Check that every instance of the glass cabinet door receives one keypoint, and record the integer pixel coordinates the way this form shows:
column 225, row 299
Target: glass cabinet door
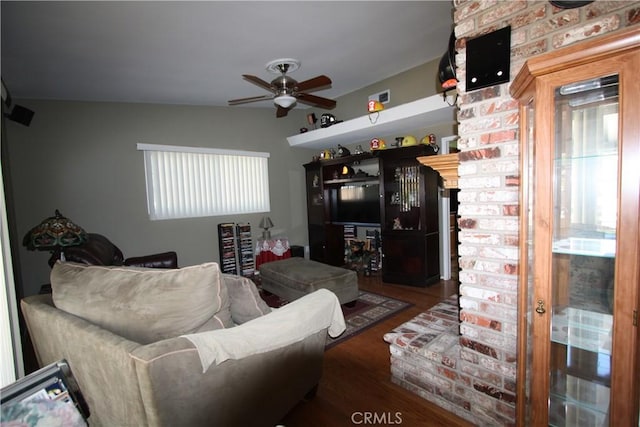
column 578, row 326
column 585, row 200
column 402, row 197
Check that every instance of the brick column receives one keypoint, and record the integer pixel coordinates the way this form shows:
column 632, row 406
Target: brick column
column 468, row 365
column 489, row 180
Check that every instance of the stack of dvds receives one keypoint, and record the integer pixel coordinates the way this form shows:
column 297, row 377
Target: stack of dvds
column 246, row 260
column 349, row 233
column 375, row 249
column 227, row 242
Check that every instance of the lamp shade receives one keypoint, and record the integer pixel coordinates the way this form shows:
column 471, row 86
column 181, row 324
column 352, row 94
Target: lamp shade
column 265, row 223
column 284, row 101
column 54, row 233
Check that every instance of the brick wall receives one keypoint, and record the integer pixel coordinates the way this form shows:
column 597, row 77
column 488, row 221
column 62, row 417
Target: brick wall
column 461, row 354
column 489, row 178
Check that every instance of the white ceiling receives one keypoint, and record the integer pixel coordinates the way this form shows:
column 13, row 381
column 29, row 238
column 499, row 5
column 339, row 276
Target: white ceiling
column 195, row 52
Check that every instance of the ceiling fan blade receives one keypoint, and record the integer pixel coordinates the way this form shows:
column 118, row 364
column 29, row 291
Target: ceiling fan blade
column 315, row 83
column 281, row 112
column 316, row 100
column 257, row 81
column 250, row 99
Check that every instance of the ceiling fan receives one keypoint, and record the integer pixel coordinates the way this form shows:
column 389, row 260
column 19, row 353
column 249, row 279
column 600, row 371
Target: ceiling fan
column 286, row 91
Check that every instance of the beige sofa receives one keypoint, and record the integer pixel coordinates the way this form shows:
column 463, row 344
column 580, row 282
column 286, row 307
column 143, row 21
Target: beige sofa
column 186, row 347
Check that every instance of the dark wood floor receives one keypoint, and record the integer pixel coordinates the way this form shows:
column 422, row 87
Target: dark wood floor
column 357, row 379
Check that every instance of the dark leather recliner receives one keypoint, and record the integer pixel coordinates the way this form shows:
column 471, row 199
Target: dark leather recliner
column 98, row 250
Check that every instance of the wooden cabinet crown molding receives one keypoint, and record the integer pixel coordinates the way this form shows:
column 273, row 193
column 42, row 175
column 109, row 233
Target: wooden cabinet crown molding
column 571, row 56
column 446, row 165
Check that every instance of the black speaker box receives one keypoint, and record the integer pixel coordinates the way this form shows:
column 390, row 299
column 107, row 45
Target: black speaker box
column 21, row 115
column 489, row 59
column 297, row 251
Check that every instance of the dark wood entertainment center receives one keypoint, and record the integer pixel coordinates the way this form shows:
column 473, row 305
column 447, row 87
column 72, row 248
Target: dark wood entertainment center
column 341, row 191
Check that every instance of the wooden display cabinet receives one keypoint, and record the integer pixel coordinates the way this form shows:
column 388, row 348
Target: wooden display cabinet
column 388, row 189
column 578, row 335
column 330, row 184
column 409, row 217
column 315, row 211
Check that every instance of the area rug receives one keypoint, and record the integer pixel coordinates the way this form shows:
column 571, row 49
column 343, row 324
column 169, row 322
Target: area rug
column 369, row 310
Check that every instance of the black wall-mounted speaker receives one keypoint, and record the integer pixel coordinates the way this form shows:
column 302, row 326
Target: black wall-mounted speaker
column 20, row 115
column 569, row 4
column 489, row 59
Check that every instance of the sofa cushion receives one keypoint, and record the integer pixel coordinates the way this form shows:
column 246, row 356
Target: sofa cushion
column 245, row 301
column 143, row 304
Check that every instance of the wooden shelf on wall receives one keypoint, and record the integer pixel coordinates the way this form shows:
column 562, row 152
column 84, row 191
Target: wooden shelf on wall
column 419, row 114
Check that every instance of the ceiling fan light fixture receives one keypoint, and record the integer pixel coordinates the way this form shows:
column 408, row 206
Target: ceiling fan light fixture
column 286, row 92
column 284, row 101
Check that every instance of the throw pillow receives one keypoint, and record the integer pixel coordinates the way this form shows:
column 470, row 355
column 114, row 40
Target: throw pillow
column 143, row 304
column 245, row 301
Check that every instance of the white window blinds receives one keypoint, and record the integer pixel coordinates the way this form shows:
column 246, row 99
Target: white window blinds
column 186, row 182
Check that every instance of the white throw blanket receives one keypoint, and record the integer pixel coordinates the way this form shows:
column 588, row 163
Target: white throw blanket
column 286, row 325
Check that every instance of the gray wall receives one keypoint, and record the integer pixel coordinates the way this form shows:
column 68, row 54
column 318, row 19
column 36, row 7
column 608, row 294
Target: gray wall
column 416, row 83
column 81, row 158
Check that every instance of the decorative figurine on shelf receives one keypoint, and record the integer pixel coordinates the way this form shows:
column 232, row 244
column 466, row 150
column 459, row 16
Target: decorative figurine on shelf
column 358, row 149
column 374, row 107
column 312, row 120
column 397, row 173
column 377, row 144
column 395, row 199
column 347, row 171
column 396, row 224
column 430, row 140
column 409, row 141
column 327, row 120
column 343, row 151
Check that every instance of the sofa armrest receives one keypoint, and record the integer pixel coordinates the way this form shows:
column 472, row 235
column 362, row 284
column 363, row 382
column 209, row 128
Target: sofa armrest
column 244, row 299
column 100, row 360
column 160, row 260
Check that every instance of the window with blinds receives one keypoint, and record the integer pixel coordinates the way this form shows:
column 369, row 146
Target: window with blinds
column 189, row 182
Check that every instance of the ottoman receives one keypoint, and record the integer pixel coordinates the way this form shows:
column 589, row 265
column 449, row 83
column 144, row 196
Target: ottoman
column 293, row 278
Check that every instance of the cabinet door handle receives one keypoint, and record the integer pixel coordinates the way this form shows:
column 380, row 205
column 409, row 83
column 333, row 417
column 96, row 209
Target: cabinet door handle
column 540, row 308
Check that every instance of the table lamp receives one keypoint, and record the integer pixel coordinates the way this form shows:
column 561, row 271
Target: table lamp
column 54, row 234
column 266, row 224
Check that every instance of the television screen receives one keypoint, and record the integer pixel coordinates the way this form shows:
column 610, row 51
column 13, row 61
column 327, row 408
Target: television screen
column 357, row 204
